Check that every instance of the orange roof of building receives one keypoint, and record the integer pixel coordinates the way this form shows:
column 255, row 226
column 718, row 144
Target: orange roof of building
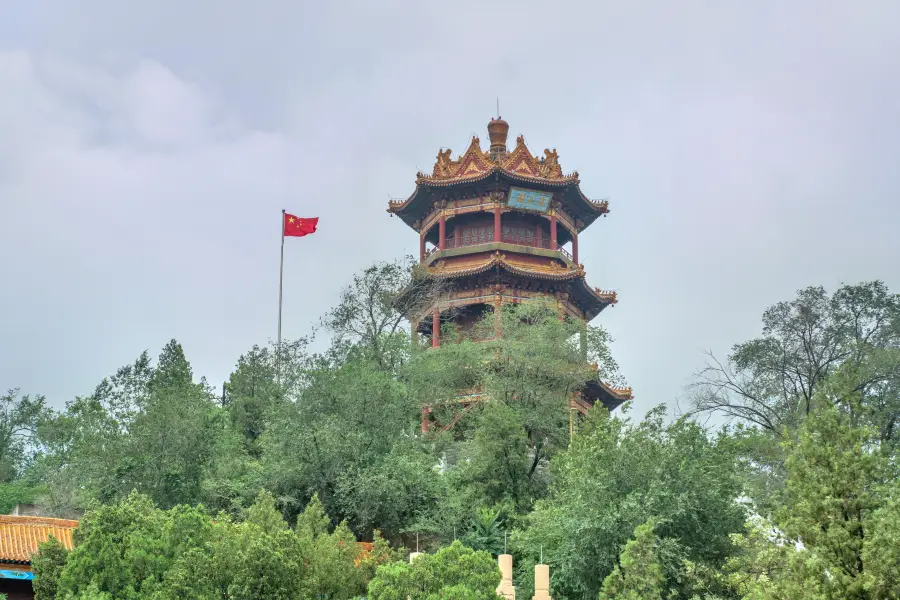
column 20, row 536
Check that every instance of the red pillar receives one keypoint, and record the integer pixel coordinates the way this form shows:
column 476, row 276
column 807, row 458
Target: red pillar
column 436, row 329
column 553, row 231
column 575, row 247
column 425, row 424
column 442, row 233
column 422, row 247
column 497, row 230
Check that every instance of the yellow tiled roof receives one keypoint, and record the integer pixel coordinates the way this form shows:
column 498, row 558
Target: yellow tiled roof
column 21, row 535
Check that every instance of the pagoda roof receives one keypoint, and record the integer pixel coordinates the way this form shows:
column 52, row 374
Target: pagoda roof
column 484, row 263
column 609, row 395
column 518, row 166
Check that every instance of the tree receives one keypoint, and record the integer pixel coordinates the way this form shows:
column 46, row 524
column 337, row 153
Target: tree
column 835, row 527
column 770, row 381
column 616, row 476
column 638, row 576
column 351, row 440
column 47, row 565
column 19, row 419
column 131, row 549
column 453, row 572
column 147, row 429
column 252, row 392
column 368, row 317
column 523, row 382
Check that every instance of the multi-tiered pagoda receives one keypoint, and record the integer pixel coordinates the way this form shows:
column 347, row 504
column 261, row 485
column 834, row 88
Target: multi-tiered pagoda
column 502, row 227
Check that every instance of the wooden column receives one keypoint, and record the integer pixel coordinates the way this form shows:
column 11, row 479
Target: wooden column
column 422, row 247
column 553, row 230
column 436, row 328
column 575, row 247
column 442, row 232
column 497, row 229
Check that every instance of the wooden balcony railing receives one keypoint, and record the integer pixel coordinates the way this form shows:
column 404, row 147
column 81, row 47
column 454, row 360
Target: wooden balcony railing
column 532, row 242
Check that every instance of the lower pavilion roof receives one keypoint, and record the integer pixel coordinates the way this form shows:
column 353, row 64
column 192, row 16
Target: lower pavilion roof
column 483, row 263
column 20, row 536
column 610, row 396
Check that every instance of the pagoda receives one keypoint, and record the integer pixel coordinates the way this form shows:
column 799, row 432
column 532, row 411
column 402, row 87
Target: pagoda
column 498, row 227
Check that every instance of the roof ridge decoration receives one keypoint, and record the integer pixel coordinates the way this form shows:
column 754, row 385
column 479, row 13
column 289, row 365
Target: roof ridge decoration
column 476, row 163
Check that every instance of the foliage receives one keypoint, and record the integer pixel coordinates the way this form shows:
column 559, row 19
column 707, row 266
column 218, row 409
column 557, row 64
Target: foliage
column 331, row 441
column 453, row 572
column 836, row 525
column 771, row 381
column 638, row 576
column 133, row 550
column 47, row 565
column 18, row 491
column 617, row 476
column 19, row 419
column 522, row 383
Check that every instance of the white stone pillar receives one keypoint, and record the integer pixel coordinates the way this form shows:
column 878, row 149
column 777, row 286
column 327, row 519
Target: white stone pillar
column 541, row 582
column 506, row 588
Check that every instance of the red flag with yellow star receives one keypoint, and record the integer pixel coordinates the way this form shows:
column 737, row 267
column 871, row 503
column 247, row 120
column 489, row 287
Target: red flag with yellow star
column 294, row 226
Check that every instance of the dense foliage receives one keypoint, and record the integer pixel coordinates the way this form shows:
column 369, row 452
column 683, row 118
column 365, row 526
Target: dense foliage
column 261, row 489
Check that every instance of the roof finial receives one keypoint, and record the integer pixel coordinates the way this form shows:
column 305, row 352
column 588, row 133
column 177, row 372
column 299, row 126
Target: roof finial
column 497, row 132
column 498, row 107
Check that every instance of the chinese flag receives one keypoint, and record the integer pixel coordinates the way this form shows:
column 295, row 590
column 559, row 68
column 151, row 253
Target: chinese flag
column 294, row 226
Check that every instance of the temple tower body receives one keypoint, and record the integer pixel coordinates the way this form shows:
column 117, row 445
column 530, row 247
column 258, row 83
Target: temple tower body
column 502, row 227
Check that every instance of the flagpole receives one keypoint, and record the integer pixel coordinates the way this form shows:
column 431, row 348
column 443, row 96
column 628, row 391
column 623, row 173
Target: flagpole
column 280, row 297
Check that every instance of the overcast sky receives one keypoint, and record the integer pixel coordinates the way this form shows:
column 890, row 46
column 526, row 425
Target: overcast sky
column 148, row 147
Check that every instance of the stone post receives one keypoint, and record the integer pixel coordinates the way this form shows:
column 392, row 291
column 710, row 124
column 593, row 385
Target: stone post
column 541, row 582
column 506, row 588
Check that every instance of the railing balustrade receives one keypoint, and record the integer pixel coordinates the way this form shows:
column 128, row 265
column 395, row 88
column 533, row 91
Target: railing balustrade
column 532, row 242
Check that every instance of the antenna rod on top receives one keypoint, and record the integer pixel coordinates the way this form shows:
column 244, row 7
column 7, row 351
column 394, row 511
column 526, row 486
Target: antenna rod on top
column 498, row 107
column 542, row 554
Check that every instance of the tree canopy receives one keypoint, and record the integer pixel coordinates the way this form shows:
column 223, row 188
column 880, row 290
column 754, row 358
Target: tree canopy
column 262, row 489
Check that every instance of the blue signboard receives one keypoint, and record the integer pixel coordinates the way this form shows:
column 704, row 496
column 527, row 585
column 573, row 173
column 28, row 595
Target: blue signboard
column 27, row 575
column 529, row 199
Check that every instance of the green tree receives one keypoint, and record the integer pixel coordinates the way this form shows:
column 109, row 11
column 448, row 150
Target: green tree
column 618, row 475
column 47, row 566
column 453, row 572
column 369, row 320
column 768, row 384
column 251, row 393
column 519, row 386
column 638, row 575
column 19, row 419
column 131, row 549
column 147, row 429
column 351, row 439
column 835, row 527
